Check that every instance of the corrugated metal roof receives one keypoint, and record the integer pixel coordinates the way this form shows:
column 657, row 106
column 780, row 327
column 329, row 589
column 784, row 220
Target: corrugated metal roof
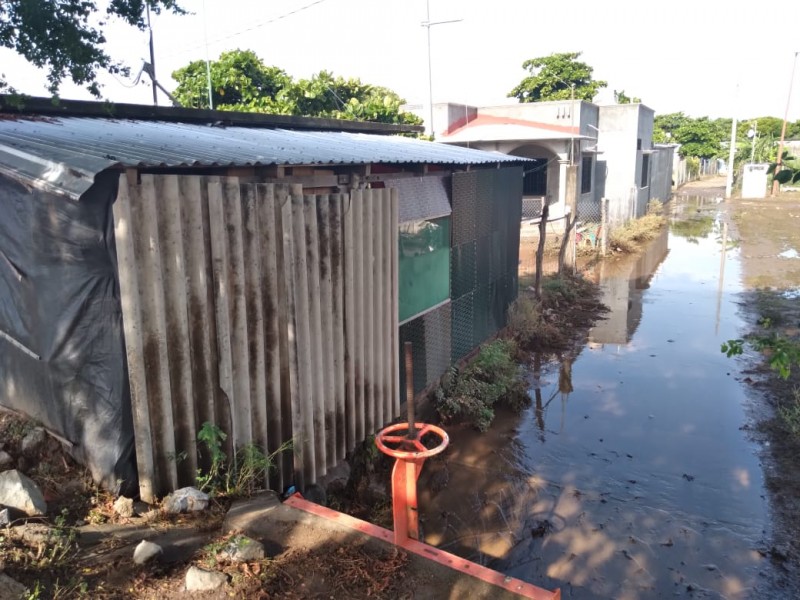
column 65, row 153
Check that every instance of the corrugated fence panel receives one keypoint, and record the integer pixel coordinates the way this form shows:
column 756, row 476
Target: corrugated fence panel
column 268, row 313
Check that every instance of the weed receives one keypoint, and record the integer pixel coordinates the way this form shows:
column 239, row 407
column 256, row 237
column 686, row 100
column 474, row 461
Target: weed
column 631, row 236
column 790, row 415
column 243, row 475
column 493, row 376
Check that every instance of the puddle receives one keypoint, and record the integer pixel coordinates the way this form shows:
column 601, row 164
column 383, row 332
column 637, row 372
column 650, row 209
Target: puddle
column 629, row 477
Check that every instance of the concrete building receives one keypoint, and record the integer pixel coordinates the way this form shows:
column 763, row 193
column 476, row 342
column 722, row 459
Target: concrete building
column 608, row 150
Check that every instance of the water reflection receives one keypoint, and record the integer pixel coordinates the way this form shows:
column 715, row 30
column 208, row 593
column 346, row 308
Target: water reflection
column 637, row 482
column 622, row 284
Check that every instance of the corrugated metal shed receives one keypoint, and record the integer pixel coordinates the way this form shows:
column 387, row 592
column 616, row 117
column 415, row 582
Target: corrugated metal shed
column 63, row 154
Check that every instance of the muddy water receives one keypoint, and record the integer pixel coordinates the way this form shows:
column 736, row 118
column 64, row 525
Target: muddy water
column 630, row 476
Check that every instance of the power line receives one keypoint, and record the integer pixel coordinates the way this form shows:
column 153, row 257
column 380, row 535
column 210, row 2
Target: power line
column 249, row 29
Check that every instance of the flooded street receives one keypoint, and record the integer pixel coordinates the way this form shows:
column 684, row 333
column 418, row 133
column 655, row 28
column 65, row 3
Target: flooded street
column 633, row 474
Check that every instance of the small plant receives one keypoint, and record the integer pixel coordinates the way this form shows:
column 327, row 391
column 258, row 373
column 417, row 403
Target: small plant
column 493, row 376
column 790, row 415
column 241, row 476
column 783, row 352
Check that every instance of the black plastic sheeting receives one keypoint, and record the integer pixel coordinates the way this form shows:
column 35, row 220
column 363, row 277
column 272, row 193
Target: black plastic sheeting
column 62, row 350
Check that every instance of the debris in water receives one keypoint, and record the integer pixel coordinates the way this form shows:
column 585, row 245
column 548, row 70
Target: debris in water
column 688, row 477
column 541, row 529
column 669, row 543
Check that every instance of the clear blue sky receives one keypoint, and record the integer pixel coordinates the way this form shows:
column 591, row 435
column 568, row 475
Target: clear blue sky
column 676, row 55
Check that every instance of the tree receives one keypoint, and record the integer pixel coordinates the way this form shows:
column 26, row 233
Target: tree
column 241, row 81
column 552, row 78
column 327, row 96
column 58, row 35
column 698, row 137
column 620, row 97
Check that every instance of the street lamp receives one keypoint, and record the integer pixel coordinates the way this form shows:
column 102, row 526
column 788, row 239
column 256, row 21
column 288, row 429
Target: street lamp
column 775, row 183
column 428, row 24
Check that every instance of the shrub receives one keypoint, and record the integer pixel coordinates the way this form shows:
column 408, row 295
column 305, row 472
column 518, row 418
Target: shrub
column 638, row 231
column 493, row 376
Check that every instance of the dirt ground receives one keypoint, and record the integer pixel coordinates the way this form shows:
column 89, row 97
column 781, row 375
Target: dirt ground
column 82, row 561
column 768, row 234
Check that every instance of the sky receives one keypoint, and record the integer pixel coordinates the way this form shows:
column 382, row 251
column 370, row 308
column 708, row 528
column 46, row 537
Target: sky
column 711, row 58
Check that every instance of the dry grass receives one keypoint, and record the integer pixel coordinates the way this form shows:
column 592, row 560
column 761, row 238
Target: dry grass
column 636, row 233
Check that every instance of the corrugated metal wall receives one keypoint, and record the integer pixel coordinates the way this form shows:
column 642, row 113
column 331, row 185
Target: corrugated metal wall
column 269, row 313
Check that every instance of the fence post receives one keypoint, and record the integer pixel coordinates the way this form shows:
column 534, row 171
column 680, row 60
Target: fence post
column 603, row 224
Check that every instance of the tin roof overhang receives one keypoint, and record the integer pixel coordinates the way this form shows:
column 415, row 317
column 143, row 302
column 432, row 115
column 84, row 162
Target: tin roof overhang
column 64, row 153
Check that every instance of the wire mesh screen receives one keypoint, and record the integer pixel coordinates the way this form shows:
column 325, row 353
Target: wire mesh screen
column 486, row 222
column 430, row 337
column 589, row 209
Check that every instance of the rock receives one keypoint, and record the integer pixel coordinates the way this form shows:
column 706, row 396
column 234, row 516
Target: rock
column 242, row 549
column 199, row 580
column 11, row 589
column 124, row 507
column 19, row 492
column 186, row 499
column 5, row 518
column 33, row 441
column 32, row 534
column 145, row 552
column 6, row 460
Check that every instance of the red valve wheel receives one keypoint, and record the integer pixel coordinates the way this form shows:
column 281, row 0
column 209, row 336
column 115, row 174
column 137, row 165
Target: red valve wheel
column 385, row 437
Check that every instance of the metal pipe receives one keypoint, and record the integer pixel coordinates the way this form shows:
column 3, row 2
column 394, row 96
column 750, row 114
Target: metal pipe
column 412, row 430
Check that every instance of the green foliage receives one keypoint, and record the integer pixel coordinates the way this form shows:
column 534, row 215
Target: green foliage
column 620, row 97
column 783, row 353
column 552, row 77
column 790, row 415
column 492, row 377
column 241, row 81
column 789, row 171
column 701, row 137
column 243, row 475
column 60, row 35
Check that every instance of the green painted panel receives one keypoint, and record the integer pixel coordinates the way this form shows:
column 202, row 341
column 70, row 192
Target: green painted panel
column 424, row 265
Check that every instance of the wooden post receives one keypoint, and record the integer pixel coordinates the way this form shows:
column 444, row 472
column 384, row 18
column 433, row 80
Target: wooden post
column 537, row 286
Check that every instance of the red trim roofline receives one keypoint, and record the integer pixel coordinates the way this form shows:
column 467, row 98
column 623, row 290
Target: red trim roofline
column 478, row 120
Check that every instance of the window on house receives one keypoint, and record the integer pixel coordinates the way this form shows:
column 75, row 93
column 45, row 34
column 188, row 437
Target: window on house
column 638, row 143
column 645, row 170
column 535, row 181
column 424, row 266
column 586, row 175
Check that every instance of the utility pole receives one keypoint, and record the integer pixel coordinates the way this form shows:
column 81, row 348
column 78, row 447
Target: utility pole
column 428, row 24
column 208, row 63
column 775, row 185
column 731, row 157
column 152, row 57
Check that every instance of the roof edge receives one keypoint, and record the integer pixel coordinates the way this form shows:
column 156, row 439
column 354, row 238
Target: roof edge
column 31, row 105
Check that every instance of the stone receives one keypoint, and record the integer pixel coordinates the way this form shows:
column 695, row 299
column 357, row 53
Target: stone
column 32, row 534
column 124, row 507
column 186, row 499
column 6, row 460
column 145, row 552
column 241, row 548
column 200, row 580
column 5, row 518
column 33, row 441
column 19, row 492
column 11, row 589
